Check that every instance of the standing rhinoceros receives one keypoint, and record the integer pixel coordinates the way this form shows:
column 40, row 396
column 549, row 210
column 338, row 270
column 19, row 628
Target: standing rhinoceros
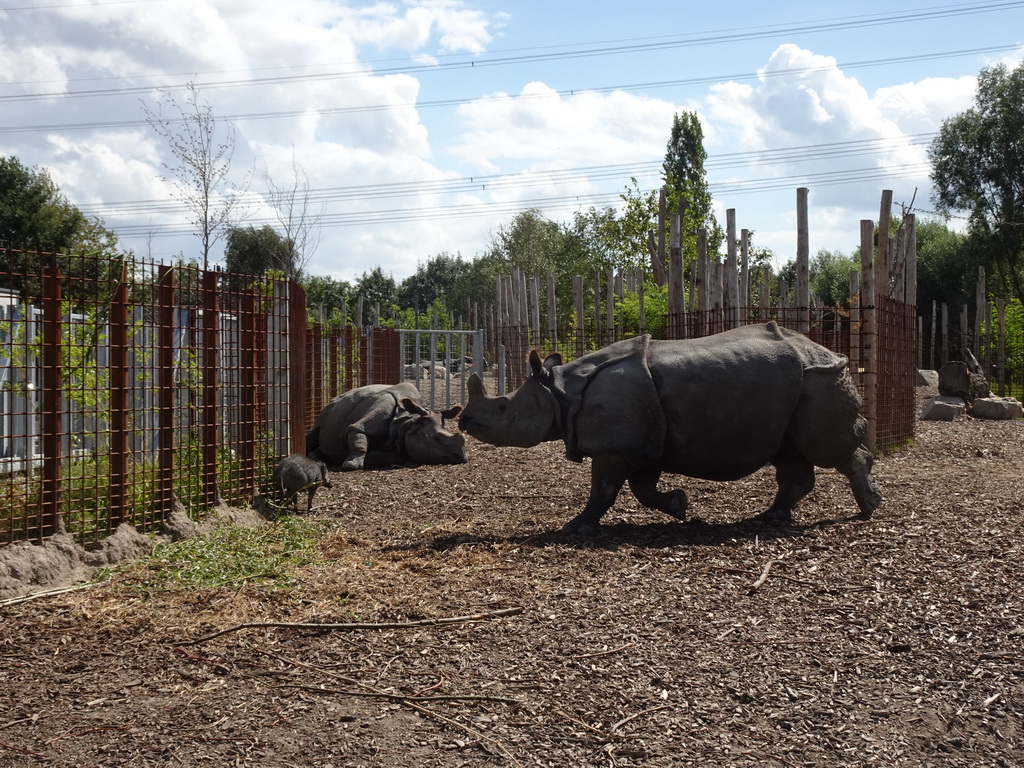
column 717, row 408
column 380, row 426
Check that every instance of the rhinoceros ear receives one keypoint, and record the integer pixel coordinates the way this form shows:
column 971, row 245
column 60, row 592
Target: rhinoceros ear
column 535, row 364
column 552, row 360
column 475, row 386
column 413, row 407
column 452, row 412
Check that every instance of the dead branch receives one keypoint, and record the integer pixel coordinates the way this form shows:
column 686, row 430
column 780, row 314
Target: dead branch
column 358, row 626
column 606, row 736
column 471, row 731
column 407, row 701
column 776, row 642
column 402, row 699
column 604, row 653
column 635, row 715
column 764, row 576
column 46, row 593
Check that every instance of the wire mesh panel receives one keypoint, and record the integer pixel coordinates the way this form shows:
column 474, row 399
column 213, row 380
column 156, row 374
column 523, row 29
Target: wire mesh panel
column 128, row 387
column 897, row 374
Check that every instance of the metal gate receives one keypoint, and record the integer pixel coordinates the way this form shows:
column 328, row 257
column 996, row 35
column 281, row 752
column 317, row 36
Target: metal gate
column 439, row 362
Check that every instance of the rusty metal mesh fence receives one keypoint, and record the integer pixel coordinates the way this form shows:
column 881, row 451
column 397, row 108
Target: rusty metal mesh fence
column 129, row 387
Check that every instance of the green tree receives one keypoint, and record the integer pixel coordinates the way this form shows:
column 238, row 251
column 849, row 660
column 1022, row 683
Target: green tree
column 686, row 183
column 34, row 215
column 830, row 277
column 251, row 251
column 638, row 220
column 437, row 278
column 531, row 242
column 599, row 237
column 376, row 288
column 326, row 297
column 978, row 167
column 202, row 163
column 536, row 245
column 947, row 269
column 477, row 285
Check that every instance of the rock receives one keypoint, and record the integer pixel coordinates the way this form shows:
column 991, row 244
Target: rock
column 956, row 379
column 927, row 378
column 943, row 409
column 997, row 408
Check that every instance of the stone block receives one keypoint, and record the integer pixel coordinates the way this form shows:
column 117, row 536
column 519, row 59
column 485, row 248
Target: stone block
column 927, row 378
column 997, row 408
column 943, row 409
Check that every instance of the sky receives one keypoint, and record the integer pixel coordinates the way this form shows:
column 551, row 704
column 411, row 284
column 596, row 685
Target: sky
column 424, row 127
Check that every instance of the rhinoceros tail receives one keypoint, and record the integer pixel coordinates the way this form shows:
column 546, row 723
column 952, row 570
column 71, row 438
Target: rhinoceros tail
column 836, row 366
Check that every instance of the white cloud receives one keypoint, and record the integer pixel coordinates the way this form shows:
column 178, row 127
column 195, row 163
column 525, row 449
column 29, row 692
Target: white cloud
column 817, row 105
column 922, row 106
column 540, row 127
column 385, row 26
column 358, row 121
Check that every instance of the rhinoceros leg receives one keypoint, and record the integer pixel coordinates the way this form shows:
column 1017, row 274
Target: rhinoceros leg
column 644, row 485
column 858, row 470
column 608, row 474
column 358, row 444
column 795, row 476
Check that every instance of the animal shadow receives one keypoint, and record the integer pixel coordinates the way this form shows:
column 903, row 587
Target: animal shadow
column 693, row 532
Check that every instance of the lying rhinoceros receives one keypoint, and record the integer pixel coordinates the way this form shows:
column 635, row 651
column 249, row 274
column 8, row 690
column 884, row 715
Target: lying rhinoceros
column 717, row 408
column 381, row 426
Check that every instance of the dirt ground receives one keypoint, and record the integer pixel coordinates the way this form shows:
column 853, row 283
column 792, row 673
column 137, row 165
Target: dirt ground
column 718, row 642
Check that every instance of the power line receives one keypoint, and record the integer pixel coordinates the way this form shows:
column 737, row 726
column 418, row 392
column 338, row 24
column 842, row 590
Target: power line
column 451, row 62
column 560, row 202
column 568, row 92
column 556, row 176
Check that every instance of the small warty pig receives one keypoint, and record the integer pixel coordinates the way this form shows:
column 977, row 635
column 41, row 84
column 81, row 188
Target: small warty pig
column 298, row 473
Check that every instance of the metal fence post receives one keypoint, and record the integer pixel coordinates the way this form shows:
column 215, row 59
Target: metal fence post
column 51, row 403
column 165, row 390
column 210, row 410
column 247, row 409
column 297, row 368
column 119, row 401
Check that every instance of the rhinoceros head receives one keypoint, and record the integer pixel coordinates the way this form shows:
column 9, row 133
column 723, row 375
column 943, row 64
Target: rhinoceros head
column 525, row 418
column 425, row 439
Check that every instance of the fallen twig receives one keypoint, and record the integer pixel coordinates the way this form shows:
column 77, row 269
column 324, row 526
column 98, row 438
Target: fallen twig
column 404, row 701
column 358, row 626
column 471, row 731
column 606, row 736
column 635, row 715
column 19, row 722
column 777, row 642
column 992, row 699
column 742, row 572
column 19, row 750
column 76, row 734
column 46, row 593
column 398, row 696
column 604, row 653
column 764, row 575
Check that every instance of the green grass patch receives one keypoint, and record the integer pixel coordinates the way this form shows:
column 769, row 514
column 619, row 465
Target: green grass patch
column 230, row 556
